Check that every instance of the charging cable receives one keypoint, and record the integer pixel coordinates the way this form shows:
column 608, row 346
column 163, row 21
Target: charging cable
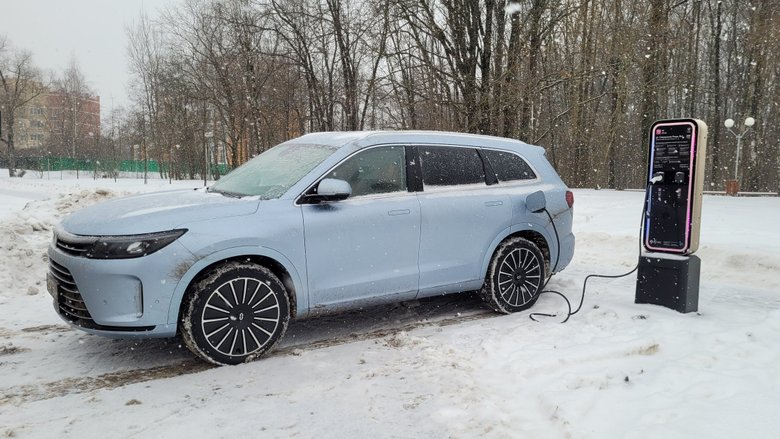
column 569, row 313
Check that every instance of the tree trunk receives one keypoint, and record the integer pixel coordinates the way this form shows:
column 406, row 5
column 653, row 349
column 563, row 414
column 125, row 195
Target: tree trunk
column 10, row 144
column 653, row 68
column 716, row 112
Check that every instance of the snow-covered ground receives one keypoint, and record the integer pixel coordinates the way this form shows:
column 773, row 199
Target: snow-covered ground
column 438, row 368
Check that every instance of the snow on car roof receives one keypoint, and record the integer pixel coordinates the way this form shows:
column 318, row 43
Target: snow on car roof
column 361, row 139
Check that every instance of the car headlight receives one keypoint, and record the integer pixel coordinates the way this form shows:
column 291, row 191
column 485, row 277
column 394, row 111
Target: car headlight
column 131, row 246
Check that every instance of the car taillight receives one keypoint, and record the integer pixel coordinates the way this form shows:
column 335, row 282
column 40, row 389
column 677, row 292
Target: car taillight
column 570, row 199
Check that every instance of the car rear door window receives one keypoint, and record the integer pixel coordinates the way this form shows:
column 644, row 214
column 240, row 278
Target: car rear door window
column 451, row 166
column 377, row 170
column 508, row 166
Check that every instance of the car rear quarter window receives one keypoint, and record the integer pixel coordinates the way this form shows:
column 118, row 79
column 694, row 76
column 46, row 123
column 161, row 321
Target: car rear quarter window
column 451, row 166
column 508, row 166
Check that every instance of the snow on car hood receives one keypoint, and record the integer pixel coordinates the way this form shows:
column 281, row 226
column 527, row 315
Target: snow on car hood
column 155, row 212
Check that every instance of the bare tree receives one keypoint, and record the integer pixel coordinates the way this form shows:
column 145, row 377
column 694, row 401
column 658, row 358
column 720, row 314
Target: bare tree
column 585, row 79
column 20, row 83
column 146, row 58
column 74, row 127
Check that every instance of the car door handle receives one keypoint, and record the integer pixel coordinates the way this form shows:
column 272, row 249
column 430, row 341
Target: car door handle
column 399, row 212
column 493, row 203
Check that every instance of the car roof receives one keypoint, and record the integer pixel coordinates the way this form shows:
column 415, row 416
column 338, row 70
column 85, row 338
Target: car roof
column 362, row 139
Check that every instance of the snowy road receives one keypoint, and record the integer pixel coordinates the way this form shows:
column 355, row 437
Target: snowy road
column 443, row 367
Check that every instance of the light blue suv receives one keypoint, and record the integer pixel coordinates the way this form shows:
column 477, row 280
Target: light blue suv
column 321, row 223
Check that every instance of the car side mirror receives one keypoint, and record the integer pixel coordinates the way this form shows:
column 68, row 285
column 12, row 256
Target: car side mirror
column 329, row 189
column 536, row 202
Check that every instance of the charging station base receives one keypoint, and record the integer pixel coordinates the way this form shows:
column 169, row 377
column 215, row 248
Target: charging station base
column 669, row 280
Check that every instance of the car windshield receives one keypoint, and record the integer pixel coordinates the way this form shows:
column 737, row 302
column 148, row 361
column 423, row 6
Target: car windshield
column 273, row 172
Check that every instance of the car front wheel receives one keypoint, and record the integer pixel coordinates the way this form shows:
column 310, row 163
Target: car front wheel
column 235, row 313
column 515, row 276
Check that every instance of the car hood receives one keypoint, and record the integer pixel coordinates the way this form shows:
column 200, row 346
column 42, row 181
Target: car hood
column 155, row 212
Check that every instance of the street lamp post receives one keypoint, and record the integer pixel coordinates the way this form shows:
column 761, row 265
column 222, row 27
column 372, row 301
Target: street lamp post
column 170, row 162
column 208, row 135
column 732, row 186
column 97, row 147
column 178, row 168
column 113, row 151
column 136, row 152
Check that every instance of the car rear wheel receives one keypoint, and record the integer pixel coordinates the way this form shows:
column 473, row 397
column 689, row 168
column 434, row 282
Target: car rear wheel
column 515, row 276
column 235, row 313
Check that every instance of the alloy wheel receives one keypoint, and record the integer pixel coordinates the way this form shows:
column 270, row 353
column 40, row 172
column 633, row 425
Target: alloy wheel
column 240, row 316
column 519, row 276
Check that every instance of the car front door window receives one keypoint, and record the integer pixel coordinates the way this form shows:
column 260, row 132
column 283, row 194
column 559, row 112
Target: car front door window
column 377, row 170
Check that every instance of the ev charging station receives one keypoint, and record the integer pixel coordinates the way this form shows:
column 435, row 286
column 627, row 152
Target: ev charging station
column 668, row 273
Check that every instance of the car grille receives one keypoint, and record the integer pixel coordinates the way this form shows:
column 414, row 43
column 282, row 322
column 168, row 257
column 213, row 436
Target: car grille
column 74, row 247
column 70, row 304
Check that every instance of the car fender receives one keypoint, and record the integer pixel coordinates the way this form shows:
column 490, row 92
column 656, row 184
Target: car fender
column 301, row 292
column 520, row 227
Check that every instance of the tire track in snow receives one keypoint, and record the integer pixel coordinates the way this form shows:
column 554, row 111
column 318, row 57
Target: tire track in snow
column 47, row 329
column 36, row 392
column 22, row 394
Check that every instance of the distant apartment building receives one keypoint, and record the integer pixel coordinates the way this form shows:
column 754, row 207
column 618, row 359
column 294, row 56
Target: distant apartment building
column 31, row 125
column 55, row 121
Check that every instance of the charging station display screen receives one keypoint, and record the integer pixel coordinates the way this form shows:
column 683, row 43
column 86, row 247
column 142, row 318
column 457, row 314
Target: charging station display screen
column 672, row 155
column 672, row 149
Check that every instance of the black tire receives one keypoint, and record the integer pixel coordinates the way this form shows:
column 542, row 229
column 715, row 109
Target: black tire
column 515, row 276
column 215, row 323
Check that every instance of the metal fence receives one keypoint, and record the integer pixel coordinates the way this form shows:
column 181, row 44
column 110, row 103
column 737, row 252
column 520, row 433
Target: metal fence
column 70, row 164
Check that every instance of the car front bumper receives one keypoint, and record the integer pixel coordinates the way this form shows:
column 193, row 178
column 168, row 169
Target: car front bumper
column 121, row 298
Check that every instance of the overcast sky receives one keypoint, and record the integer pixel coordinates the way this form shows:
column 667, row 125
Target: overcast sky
column 91, row 30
